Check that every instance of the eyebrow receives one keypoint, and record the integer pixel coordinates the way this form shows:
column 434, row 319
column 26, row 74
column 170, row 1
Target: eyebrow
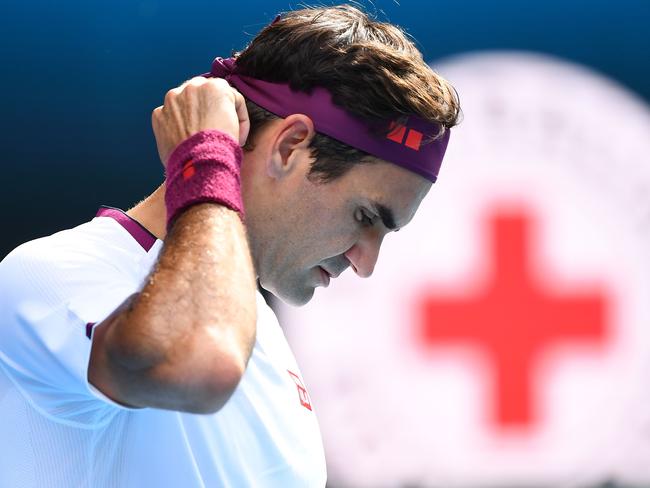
column 386, row 215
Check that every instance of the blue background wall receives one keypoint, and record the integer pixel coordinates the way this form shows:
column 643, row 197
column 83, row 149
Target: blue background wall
column 79, row 80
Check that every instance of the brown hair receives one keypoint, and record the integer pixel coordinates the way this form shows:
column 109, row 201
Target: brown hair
column 371, row 68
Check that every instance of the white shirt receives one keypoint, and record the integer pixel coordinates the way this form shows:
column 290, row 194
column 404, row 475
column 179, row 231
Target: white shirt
column 57, row 430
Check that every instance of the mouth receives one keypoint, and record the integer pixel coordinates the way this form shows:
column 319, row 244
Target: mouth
column 325, row 275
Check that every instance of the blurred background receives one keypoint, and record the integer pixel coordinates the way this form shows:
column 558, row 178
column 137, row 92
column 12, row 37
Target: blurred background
column 504, row 340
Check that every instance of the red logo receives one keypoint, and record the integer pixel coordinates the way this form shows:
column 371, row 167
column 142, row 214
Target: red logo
column 413, row 137
column 303, row 396
column 188, row 169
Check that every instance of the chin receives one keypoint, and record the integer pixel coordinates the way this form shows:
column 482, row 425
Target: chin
column 295, row 289
column 296, row 296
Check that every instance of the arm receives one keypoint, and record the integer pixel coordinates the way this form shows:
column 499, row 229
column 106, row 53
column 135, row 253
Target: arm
column 183, row 342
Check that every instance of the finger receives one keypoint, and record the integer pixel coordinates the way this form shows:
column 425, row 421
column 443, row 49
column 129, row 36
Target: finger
column 196, row 81
column 155, row 116
column 169, row 96
column 242, row 116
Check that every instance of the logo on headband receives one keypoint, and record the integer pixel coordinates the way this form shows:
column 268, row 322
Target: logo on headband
column 398, row 132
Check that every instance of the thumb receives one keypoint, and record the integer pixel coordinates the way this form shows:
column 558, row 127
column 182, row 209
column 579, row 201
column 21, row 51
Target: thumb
column 242, row 116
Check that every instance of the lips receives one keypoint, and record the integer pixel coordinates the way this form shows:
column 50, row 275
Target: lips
column 326, row 276
column 336, row 270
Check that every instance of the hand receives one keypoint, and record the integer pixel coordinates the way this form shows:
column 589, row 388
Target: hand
column 199, row 104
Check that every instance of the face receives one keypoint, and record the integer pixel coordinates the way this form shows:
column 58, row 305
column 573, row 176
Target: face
column 305, row 233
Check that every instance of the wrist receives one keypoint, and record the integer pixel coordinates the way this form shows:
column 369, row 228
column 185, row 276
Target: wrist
column 204, row 168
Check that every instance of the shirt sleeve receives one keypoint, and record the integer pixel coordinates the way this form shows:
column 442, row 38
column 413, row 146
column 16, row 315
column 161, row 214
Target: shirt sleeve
column 50, row 298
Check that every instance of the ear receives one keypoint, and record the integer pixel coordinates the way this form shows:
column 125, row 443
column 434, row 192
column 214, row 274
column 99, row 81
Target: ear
column 292, row 138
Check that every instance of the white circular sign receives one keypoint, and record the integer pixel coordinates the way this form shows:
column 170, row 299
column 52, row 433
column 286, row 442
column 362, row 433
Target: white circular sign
column 504, row 338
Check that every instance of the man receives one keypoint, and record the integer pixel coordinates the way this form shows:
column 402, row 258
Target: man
column 128, row 362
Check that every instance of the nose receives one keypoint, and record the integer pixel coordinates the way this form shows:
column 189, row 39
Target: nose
column 363, row 255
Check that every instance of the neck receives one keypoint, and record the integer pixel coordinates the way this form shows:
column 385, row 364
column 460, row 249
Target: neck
column 151, row 213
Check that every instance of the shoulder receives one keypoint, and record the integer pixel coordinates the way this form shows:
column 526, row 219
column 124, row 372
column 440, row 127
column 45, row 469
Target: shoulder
column 52, row 290
column 67, row 262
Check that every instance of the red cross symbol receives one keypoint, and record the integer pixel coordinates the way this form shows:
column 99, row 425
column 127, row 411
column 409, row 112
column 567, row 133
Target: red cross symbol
column 513, row 319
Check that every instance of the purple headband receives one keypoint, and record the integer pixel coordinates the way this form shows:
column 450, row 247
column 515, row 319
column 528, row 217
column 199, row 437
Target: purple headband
column 404, row 145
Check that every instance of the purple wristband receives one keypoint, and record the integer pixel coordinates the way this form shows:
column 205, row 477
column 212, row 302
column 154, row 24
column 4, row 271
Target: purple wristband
column 204, row 168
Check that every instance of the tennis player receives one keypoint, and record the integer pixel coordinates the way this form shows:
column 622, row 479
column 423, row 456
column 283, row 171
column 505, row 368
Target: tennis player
column 134, row 349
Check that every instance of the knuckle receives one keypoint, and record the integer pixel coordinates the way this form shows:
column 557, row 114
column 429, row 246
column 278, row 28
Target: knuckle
column 169, row 96
column 190, row 88
column 194, row 83
column 219, row 84
column 156, row 114
column 191, row 85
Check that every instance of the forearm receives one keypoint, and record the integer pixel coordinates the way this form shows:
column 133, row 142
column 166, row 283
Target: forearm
column 194, row 320
column 183, row 341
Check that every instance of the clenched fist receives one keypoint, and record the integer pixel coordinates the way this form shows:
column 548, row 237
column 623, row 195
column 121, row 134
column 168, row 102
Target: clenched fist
column 199, row 104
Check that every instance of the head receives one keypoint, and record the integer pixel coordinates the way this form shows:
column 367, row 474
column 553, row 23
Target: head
column 315, row 206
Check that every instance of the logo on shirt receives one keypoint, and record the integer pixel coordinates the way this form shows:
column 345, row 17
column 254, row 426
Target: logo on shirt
column 303, row 396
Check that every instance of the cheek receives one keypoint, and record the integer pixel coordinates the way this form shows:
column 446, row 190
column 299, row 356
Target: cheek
column 319, row 229
column 333, row 236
